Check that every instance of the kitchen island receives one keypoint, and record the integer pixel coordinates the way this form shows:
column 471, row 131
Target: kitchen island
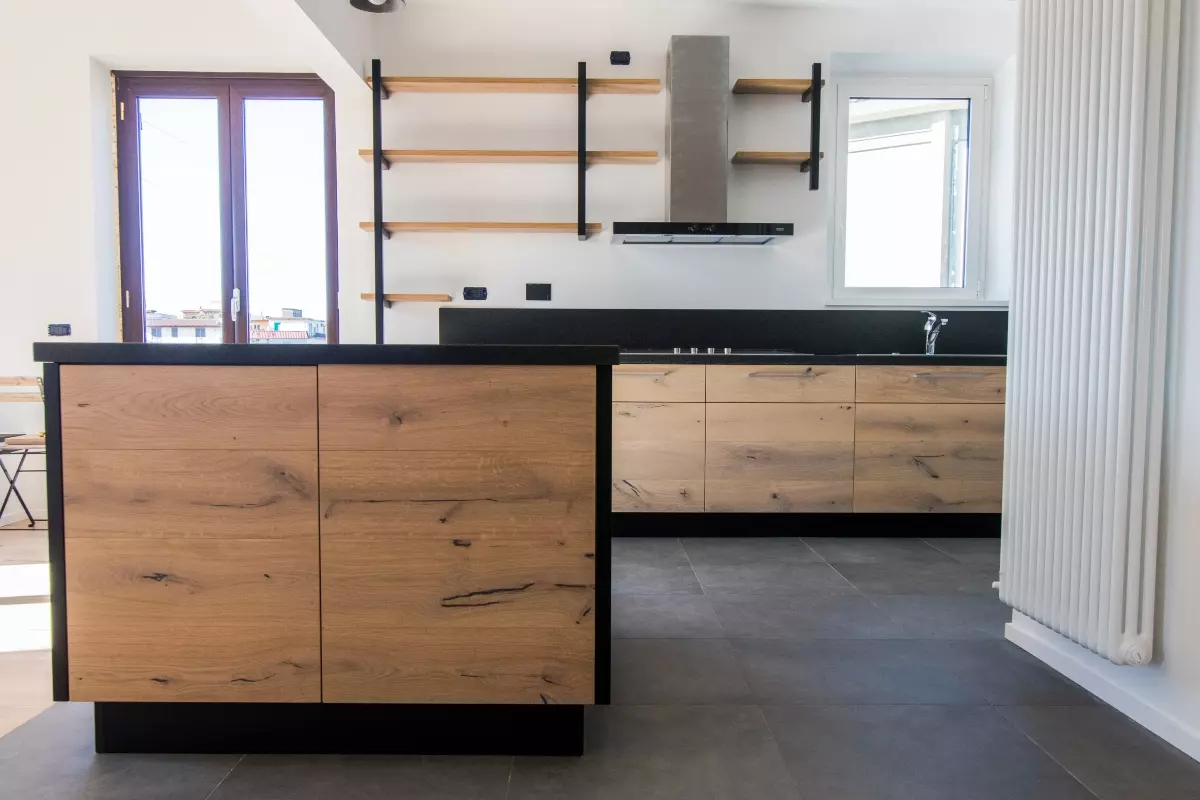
column 334, row 548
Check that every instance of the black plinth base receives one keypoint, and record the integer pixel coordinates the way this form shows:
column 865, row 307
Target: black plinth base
column 745, row 525
column 308, row 728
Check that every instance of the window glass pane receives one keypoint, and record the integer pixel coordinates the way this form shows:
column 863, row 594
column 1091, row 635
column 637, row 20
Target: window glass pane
column 181, row 218
column 906, row 190
column 285, row 220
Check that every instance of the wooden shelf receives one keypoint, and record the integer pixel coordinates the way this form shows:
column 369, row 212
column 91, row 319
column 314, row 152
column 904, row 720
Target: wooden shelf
column 409, row 298
column 520, row 85
column 773, row 86
column 480, row 227
column 512, row 156
column 774, row 158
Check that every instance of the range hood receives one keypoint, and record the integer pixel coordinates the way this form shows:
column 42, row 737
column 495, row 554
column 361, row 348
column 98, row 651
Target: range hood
column 697, row 155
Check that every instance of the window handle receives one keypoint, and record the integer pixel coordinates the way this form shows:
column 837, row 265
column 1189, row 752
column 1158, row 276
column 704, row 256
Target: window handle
column 235, row 304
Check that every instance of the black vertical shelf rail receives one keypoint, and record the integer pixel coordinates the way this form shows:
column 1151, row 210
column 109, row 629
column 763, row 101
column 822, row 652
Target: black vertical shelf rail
column 813, row 95
column 377, row 95
column 581, row 153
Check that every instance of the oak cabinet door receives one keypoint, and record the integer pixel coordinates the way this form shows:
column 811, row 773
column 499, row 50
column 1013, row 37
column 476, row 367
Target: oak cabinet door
column 928, row 457
column 458, row 534
column 783, row 383
column 190, row 516
column 778, row 457
column 929, row 384
column 662, row 383
column 658, row 457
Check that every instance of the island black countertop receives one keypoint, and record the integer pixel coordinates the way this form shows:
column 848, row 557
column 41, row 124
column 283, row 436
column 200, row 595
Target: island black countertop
column 849, row 359
column 310, row 354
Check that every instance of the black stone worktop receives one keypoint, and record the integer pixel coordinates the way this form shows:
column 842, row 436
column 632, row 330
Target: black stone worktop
column 310, row 354
column 898, row 359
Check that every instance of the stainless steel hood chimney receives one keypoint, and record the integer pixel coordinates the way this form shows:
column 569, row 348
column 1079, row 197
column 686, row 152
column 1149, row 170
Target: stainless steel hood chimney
column 697, row 154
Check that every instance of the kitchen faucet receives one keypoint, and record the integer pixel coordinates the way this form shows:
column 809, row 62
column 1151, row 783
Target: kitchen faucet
column 932, row 328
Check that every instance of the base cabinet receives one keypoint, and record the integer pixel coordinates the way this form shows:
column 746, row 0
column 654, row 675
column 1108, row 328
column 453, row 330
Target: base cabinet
column 458, row 534
column 190, row 523
column 796, row 438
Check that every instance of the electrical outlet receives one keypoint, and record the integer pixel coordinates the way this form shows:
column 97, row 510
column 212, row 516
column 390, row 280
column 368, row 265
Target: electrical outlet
column 59, row 329
column 537, row 291
column 619, row 58
column 475, row 293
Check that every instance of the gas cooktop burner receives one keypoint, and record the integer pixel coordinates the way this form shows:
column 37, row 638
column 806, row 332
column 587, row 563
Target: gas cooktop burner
column 718, row 351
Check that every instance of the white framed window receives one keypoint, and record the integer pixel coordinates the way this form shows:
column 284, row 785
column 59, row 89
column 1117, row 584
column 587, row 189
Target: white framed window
column 910, row 190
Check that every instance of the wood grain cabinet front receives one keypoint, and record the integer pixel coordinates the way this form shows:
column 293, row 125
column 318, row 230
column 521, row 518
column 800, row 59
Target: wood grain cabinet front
column 663, row 383
column 779, row 457
column 658, row 457
column 785, row 383
column 190, row 516
column 929, row 457
column 458, row 534
column 929, row 384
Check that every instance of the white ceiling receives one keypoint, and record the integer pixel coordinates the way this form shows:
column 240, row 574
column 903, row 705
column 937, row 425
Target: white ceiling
column 683, row 4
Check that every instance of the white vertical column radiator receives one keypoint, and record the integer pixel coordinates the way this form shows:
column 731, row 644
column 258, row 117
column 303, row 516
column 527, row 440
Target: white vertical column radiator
column 1087, row 340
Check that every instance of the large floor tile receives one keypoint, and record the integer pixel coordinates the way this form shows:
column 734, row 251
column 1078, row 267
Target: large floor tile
column 13, row 717
column 1007, row 675
column 773, row 578
column 866, row 550
column 918, row 578
column 947, row 617
column 663, row 616
column 21, row 545
column 983, row 552
column 749, row 551
column 640, row 550
column 915, row 753
column 746, row 616
column 366, row 778
column 652, row 566
column 25, row 679
column 654, row 579
column 1113, row 756
column 851, row 672
column 676, row 671
column 665, row 753
column 52, row 757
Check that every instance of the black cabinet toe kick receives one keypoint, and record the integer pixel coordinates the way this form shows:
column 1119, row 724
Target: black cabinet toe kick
column 734, row 525
column 339, row 728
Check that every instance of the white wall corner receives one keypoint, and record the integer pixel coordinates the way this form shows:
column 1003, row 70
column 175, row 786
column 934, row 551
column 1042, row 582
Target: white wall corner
column 1122, row 687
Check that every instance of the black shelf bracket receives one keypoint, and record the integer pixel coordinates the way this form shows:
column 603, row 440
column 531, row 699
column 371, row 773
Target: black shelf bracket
column 377, row 95
column 813, row 95
column 581, row 153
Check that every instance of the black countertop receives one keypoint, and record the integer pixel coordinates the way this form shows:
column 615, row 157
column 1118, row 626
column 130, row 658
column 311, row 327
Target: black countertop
column 311, row 354
column 880, row 359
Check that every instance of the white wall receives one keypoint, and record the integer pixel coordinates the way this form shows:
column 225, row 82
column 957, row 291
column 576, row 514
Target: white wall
column 537, row 39
column 58, row 255
column 1165, row 697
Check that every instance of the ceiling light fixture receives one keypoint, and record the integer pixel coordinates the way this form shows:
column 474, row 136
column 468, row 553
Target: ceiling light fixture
column 378, row 6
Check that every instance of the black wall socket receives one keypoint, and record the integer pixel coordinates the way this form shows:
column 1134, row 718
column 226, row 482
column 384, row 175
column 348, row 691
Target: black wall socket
column 537, row 291
column 619, row 58
column 59, row 329
column 475, row 293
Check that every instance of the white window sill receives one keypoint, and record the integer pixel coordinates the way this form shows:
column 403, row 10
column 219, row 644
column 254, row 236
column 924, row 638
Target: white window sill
column 914, row 303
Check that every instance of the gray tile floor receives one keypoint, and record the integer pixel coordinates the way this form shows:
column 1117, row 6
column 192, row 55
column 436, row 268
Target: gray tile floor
column 820, row 669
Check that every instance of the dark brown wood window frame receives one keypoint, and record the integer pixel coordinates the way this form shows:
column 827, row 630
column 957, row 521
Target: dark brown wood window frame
column 229, row 90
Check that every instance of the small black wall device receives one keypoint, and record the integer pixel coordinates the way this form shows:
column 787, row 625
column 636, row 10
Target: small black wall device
column 537, row 291
column 475, row 293
column 619, row 58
